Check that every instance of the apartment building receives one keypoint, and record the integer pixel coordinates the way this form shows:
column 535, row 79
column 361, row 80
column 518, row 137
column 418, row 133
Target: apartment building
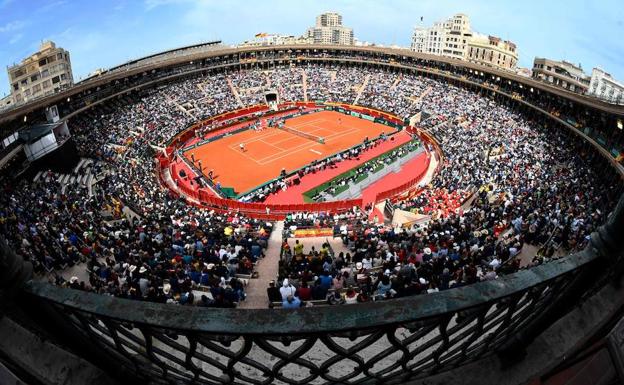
column 454, row 38
column 329, row 30
column 561, row 74
column 43, row 73
column 603, row 86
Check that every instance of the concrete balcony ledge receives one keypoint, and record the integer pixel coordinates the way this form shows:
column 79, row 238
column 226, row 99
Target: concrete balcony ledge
column 45, row 362
column 553, row 348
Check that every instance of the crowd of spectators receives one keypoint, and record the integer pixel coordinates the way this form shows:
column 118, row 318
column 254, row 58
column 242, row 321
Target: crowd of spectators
column 526, row 183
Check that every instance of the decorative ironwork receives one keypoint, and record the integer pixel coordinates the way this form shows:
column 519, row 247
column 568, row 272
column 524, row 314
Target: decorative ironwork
column 382, row 342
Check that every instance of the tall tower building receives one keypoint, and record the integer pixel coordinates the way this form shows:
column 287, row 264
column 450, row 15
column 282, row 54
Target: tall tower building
column 329, row 30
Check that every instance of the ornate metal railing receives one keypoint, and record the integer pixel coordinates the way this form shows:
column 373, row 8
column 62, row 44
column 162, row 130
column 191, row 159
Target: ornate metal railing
column 389, row 341
column 380, row 342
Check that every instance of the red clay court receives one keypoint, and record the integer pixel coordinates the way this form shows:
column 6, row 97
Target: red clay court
column 270, row 150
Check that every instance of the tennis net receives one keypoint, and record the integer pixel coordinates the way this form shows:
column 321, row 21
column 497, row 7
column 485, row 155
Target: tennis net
column 301, row 134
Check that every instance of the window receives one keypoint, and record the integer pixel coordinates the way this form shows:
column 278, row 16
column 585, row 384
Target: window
column 18, row 73
column 15, row 86
column 45, row 73
column 59, row 56
column 43, row 62
column 36, row 88
column 56, row 79
column 47, row 84
column 34, row 78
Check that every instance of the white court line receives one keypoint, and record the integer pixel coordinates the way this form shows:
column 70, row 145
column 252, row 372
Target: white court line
column 311, row 132
column 287, row 152
column 325, row 128
column 257, row 138
column 264, row 161
column 339, row 134
column 310, row 122
column 272, row 145
column 287, row 139
column 244, row 153
column 275, row 132
column 305, row 145
column 236, row 148
column 293, row 135
column 316, row 152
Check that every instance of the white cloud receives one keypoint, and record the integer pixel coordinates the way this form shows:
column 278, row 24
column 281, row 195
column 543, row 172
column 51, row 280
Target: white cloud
column 16, row 38
column 151, row 4
column 12, row 26
column 51, row 6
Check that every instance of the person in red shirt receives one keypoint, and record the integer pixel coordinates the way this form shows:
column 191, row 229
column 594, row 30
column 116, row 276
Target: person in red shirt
column 305, row 293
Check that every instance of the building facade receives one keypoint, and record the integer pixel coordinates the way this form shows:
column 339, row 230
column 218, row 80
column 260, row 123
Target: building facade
column 329, row 30
column 455, row 38
column 267, row 39
column 43, row 73
column 561, row 74
column 603, row 86
column 6, row 102
column 447, row 38
column 492, row 51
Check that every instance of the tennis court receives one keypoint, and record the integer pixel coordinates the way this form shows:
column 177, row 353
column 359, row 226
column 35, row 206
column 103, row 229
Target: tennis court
column 266, row 152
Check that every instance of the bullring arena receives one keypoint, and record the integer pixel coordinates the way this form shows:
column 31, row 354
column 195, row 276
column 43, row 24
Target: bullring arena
column 308, row 215
column 267, row 152
column 321, row 135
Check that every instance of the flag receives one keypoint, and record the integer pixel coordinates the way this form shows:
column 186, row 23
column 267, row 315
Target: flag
column 262, row 34
column 421, row 18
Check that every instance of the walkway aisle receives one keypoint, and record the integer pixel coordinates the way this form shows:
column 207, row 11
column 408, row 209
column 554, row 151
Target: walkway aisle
column 361, row 90
column 267, row 270
column 433, row 163
column 181, row 108
column 304, row 84
column 235, row 92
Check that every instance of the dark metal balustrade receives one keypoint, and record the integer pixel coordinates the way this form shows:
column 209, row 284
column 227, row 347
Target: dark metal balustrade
column 381, row 342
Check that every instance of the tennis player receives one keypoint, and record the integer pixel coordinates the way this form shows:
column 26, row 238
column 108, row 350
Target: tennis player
column 242, row 147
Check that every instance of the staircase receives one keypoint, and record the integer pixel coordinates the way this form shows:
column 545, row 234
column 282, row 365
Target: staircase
column 361, row 90
column 267, row 269
column 304, row 84
column 235, row 92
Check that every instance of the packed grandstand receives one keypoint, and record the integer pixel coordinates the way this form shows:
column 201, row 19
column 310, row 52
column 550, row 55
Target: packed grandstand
column 505, row 179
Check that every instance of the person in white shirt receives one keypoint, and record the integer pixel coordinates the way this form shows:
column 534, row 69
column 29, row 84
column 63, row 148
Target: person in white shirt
column 287, row 289
column 495, row 263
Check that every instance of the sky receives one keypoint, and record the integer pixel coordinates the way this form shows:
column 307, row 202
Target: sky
column 104, row 33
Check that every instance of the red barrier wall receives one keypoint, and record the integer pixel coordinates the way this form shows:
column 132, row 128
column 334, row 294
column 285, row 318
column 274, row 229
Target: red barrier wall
column 203, row 197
